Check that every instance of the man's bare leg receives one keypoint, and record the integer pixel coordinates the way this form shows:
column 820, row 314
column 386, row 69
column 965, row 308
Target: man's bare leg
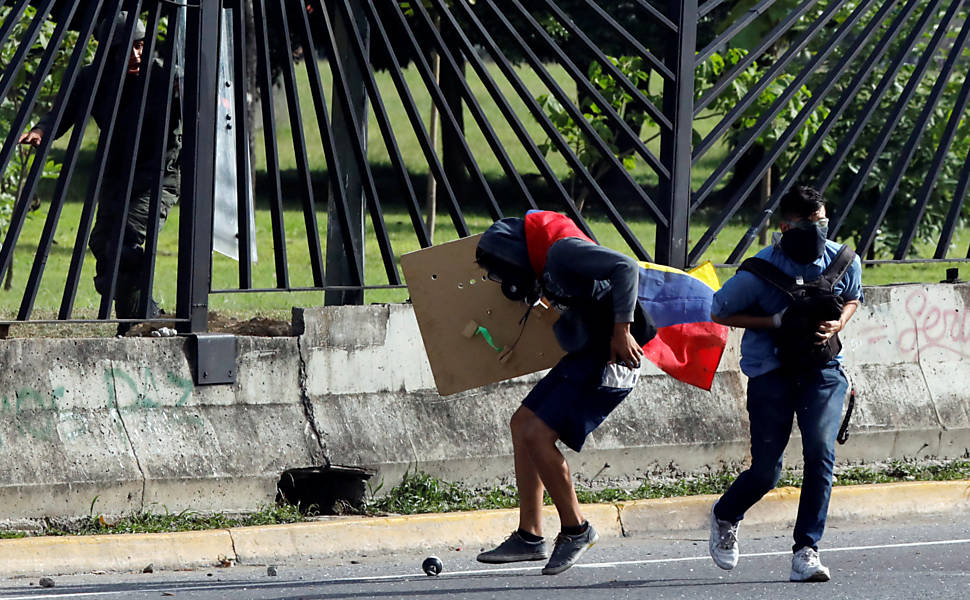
column 535, row 441
column 527, row 479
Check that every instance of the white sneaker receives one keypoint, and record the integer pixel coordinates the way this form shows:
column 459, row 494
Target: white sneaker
column 723, row 543
column 805, row 566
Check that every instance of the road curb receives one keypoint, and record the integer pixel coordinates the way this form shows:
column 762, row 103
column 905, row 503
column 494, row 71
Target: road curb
column 130, row 552
column 468, row 531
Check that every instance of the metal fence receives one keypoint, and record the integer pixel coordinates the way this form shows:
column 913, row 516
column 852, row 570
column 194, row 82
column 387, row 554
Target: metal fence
column 330, row 134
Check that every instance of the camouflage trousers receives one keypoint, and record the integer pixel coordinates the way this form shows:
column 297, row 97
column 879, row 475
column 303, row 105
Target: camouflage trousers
column 133, row 264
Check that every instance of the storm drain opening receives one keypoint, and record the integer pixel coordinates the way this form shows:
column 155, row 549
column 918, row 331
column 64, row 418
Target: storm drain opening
column 330, row 490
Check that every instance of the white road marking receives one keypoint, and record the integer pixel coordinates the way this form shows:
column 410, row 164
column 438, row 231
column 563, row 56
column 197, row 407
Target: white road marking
column 534, row 568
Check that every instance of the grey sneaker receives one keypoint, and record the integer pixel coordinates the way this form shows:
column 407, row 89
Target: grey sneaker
column 568, row 550
column 806, row 566
column 515, row 548
column 723, row 543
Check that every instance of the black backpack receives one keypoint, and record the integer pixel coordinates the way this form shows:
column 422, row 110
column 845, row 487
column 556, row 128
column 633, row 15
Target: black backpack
column 811, row 303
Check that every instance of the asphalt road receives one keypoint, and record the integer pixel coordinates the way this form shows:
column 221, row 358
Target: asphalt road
column 925, row 558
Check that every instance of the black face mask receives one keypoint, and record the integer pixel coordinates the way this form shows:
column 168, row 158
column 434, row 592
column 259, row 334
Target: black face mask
column 804, row 246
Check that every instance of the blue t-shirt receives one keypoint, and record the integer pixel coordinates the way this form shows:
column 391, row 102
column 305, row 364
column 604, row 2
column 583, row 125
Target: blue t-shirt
column 747, row 293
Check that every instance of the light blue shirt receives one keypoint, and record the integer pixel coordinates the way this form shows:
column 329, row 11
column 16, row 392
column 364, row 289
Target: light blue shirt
column 749, row 294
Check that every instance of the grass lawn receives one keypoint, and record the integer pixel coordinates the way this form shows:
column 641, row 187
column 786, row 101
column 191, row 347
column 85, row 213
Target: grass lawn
column 403, row 239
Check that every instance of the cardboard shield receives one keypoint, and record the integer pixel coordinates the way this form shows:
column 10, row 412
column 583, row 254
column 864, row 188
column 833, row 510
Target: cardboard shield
column 472, row 333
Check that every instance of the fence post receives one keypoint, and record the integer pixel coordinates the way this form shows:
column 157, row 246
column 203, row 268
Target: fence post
column 675, row 146
column 338, row 261
column 198, row 164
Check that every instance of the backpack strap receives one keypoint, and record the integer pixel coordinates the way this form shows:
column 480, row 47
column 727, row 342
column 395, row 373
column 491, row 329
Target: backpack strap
column 839, row 265
column 768, row 272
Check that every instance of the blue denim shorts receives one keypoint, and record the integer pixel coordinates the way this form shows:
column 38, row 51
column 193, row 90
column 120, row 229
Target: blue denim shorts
column 578, row 394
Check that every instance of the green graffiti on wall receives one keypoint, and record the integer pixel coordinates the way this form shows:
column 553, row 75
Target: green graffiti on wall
column 39, row 414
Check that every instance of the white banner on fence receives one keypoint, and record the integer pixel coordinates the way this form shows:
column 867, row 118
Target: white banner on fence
column 225, row 223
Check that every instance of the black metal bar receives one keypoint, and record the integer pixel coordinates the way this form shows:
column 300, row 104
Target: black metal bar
column 334, row 161
column 949, row 133
column 769, row 40
column 777, row 68
column 447, row 115
column 779, row 104
column 631, row 41
column 387, row 133
column 198, row 166
column 910, row 261
column 728, row 34
column 583, row 83
column 417, row 124
column 817, row 97
column 135, row 125
column 889, row 126
column 358, row 144
column 474, row 108
column 105, row 141
column 57, row 203
column 350, row 174
column 173, row 14
column 243, row 167
column 607, row 64
column 707, row 7
column 8, row 79
column 518, row 128
column 909, row 149
column 166, row 319
column 314, row 247
column 24, row 46
column 956, row 208
column 336, row 288
column 830, row 168
column 553, row 133
column 659, row 16
column 676, row 145
column 808, row 153
column 605, row 151
column 268, row 112
column 71, row 157
column 12, row 19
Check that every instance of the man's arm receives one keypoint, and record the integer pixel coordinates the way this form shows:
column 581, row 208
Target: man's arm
column 597, row 262
column 747, row 321
column 72, row 110
column 733, row 304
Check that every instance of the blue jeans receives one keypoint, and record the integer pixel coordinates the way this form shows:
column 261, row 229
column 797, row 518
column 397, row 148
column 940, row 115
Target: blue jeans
column 816, row 398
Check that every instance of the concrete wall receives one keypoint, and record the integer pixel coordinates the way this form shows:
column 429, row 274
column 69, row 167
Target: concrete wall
column 119, row 422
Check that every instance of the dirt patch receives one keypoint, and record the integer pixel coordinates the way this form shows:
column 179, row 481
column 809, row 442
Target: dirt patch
column 220, row 323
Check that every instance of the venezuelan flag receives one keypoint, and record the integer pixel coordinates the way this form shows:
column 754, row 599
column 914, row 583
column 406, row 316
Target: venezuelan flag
column 688, row 345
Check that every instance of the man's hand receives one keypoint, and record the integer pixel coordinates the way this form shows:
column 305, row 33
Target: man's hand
column 826, row 329
column 624, row 350
column 33, row 137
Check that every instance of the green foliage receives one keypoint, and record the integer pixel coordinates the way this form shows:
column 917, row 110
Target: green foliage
column 15, row 175
column 158, row 522
column 595, row 115
column 710, row 71
column 421, row 493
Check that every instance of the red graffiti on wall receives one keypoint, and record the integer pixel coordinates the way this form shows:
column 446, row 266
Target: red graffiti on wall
column 934, row 326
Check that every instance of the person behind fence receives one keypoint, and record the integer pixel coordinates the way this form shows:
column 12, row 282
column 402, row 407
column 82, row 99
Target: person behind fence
column 134, row 262
column 603, row 328
column 792, row 300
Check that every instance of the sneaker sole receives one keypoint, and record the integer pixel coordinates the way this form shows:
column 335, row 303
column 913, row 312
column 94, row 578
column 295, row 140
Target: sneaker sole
column 582, row 551
column 509, row 559
column 817, row 577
